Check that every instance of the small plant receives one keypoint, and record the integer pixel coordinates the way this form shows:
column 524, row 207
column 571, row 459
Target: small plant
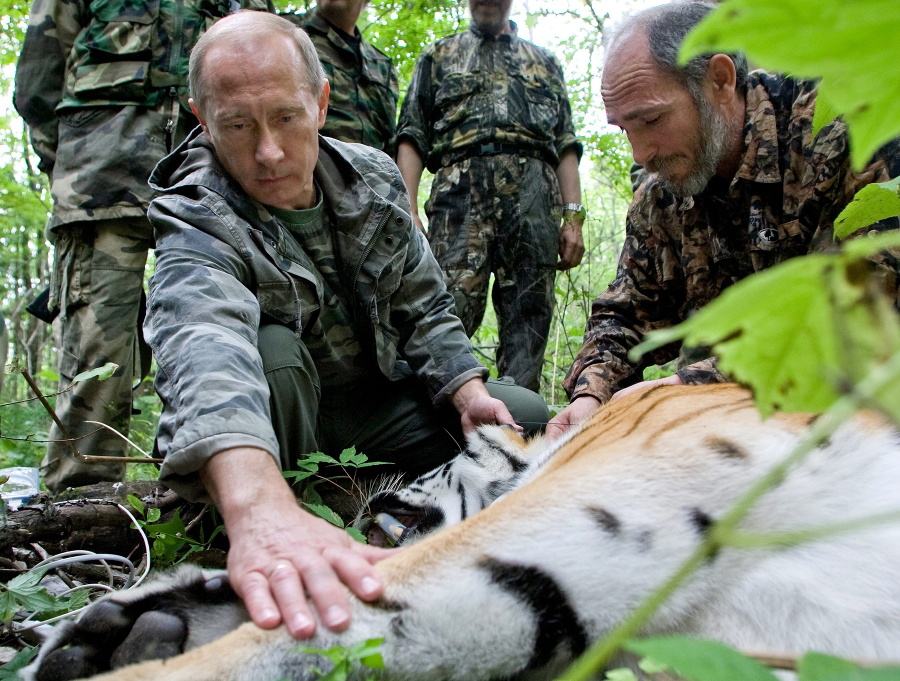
column 366, row 653
column 171, row 545
column 26, row 592
column 308, row 468
column 10, row 670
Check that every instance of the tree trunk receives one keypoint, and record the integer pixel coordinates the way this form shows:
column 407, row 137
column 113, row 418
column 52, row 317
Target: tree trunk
column 70, row 522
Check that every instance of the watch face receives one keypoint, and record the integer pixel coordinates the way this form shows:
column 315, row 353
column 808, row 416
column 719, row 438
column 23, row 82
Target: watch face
column 575, row 208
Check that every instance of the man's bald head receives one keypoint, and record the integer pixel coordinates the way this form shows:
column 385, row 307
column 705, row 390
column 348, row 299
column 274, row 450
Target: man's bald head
column 663, row 30
column 246, row 30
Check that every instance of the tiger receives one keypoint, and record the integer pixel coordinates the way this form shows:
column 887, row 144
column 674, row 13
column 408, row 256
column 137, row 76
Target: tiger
column 581, row 530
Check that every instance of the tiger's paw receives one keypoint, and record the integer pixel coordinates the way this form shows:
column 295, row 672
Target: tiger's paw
column 177, row 611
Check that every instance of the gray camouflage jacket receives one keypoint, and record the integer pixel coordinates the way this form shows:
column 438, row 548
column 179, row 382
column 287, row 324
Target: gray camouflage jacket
column 222, row 266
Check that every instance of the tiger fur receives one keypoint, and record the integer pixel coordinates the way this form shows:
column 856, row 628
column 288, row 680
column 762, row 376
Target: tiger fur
column 519, row 589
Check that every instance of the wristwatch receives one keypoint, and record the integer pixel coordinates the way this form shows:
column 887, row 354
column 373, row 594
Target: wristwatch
column 576, row 208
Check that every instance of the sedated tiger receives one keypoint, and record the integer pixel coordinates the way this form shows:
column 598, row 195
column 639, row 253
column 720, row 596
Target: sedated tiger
column 581, row 531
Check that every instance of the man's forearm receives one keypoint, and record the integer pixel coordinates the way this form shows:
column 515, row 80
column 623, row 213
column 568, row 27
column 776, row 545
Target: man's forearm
column 568, row 178
column 411, row 167
column 240, row 477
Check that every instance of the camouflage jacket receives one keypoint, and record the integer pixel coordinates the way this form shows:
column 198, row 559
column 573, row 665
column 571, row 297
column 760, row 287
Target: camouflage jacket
column 680, row 253
column 364, row 91
column 473, row 88
column 224, row 263
column 102, row 87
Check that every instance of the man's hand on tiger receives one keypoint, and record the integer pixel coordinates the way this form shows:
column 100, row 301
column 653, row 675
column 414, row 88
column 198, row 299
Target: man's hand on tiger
column 282, row 560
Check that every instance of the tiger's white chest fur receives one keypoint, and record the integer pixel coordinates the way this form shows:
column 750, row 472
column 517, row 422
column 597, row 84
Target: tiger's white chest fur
column 520, row 588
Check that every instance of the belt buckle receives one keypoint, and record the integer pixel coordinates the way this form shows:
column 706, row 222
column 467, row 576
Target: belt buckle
column 488, row 149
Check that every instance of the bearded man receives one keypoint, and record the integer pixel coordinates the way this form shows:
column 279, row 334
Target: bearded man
column 734, row 182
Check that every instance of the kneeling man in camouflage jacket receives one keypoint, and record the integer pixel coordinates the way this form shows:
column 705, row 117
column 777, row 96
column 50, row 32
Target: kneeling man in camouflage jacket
column 295, row 308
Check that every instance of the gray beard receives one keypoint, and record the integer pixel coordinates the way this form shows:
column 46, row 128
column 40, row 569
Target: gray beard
column 713, row 135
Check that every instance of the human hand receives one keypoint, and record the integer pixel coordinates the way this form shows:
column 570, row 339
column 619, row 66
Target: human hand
column 282, row 559
column 575, row 413
column 571, row 243
column 476, row 406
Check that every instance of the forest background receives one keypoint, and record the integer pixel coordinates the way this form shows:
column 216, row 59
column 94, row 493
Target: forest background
column 572, row 29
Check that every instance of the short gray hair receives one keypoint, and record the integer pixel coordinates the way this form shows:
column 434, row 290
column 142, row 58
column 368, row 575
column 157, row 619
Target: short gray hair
column 666, row 27
column 235, row 31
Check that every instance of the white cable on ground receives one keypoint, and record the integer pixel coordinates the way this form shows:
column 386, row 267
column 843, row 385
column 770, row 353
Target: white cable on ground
column 81, row 556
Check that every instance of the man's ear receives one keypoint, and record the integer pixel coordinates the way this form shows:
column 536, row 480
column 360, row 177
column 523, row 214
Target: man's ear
column 197, row 113
column 722, row 78
column 323, row 103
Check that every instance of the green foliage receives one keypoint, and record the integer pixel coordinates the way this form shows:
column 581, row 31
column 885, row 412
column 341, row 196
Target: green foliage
column 850, row 44
column 100, row 373
column 872, row 203
column 699, row 660
column 308, row 468
column 25, row 591
column 798, row 333
column 10, row 670
column 170, row 543
column 365, row 653
column 818, row 667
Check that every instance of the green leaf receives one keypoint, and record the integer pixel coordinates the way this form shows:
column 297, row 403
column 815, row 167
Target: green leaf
column 10, row 670
column 818, row 667
column 874, row 202
column 825, row 111
column 356, row 534
column 325, row 513
column 153, row 515
column 298, row 476
column 800, row 332
column 135, row 503
column 100, row 373
column 766, row 332
column 699, row 660
column 850, row 44
column 349, row 455
column 621, row 674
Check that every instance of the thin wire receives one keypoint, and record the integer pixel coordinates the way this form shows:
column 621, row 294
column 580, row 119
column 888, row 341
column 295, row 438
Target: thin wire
column 81, row 556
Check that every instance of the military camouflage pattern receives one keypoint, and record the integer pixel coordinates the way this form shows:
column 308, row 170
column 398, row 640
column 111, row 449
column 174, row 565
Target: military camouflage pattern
column 103, row 89
column 362, row 106
column 489, row 211
column 472, row 88
column 681, row 253
column 97, row 282
column 500, row 214
column 225, row 265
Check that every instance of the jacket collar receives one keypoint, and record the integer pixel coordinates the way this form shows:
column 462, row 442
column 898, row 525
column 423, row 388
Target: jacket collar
column 760, row 162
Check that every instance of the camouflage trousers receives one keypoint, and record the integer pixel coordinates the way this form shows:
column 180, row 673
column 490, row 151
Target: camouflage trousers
column 500, row 214
column 97, row 283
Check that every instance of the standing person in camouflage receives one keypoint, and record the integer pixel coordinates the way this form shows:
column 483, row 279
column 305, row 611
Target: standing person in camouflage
column 295, row 308
column 103, row 89
column 488, row 113
column 362, row 106
column 736, row 183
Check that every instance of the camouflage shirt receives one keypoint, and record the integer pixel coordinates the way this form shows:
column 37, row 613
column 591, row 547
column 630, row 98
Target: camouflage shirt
column 225, row 264
column 103, row 89
column 473, row 88
column 680, row 253
column 362, row 106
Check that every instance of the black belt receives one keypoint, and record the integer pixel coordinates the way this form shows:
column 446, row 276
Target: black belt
column 493, row 149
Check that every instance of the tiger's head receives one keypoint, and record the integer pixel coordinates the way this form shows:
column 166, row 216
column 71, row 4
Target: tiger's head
column 496, row 460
